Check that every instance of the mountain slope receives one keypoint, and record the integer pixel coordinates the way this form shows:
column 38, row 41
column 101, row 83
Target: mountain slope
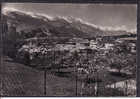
column 55, row 26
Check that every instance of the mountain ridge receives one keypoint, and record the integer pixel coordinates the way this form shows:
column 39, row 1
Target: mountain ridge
column 57, row 26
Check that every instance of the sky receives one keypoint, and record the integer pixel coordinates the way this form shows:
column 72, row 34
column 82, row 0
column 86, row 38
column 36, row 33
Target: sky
column 111, row 16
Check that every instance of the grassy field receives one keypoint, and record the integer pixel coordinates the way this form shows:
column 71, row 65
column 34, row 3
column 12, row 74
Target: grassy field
column 22, row 80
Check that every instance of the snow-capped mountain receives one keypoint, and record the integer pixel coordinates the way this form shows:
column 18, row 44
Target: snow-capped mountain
column 55, row 26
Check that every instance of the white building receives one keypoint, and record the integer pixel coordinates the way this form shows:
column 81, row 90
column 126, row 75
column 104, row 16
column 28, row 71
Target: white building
column 108, row 46
column 93, row 44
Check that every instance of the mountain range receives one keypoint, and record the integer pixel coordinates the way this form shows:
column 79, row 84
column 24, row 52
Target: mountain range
column 56, row 26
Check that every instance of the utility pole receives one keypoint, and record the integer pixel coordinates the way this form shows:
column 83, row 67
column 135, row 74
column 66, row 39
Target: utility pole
column 97, row 85
column 45, row 76
column 76, row 57
column 45, row 73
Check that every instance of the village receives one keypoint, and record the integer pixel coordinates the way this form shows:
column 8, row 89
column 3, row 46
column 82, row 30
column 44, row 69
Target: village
column 91, row 58
column 81, row 63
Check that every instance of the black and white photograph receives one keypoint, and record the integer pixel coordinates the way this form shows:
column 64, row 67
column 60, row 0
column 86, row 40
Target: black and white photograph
column 69, row 49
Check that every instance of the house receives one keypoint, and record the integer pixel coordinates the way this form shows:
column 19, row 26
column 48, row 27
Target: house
column 93, row 44
column 132, row 47
column 119, row 41
column 108, row 46
column 62, row 47
column 80, row 41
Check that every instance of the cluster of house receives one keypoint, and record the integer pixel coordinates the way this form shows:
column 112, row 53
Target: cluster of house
column 130, row 44
column 77, row 44
column 80, row 44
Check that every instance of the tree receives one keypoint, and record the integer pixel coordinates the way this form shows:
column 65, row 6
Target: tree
column 118, row 62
